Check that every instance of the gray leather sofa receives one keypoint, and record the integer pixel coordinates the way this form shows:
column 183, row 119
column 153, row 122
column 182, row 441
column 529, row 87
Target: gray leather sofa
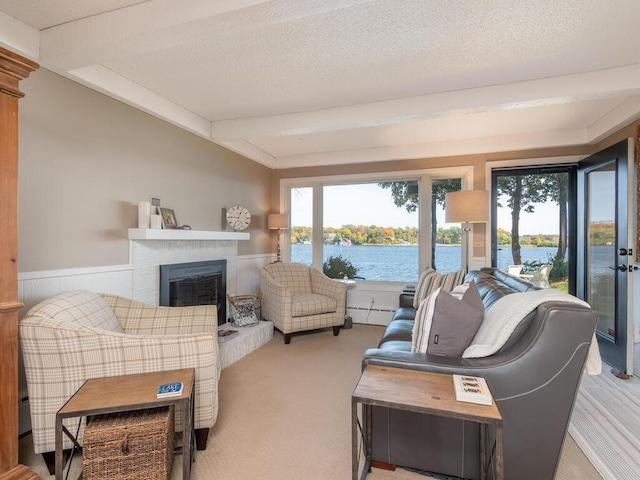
column 534, row 379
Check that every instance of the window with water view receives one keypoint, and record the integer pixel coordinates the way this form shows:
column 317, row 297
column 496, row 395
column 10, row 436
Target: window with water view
column 531, row 234
column 370, row 231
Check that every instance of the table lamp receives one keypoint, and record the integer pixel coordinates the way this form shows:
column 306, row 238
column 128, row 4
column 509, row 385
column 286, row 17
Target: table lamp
column 466, row 206
column 277, row 221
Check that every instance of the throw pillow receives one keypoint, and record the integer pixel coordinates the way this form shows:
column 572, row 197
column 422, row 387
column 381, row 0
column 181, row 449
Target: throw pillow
column 430, row 281
column 460, row 290
column 446, row 325
column 422, row 323
column 424, row 286
column 449, row 281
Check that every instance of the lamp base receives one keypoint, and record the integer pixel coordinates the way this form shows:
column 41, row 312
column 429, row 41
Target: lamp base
column 466, row 231
column 278, row 257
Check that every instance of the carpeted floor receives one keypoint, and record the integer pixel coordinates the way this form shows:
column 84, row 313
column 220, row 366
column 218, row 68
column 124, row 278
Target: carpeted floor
column 285, row 414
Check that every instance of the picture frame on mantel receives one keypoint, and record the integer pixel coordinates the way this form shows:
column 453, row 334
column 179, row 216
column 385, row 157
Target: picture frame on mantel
column 168, row 218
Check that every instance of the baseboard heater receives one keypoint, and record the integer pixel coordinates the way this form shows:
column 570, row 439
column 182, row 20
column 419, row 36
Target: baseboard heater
column 368, row 309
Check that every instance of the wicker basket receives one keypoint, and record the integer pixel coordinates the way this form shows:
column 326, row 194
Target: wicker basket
column 129, row 445
column 245, row 309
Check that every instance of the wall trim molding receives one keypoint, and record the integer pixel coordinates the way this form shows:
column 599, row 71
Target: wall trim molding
column 73, row 272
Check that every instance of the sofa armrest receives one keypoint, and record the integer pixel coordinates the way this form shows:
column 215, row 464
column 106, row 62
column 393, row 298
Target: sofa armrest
column 413, row 360
column 276, row 299
column 405, row 299
column 141, row 319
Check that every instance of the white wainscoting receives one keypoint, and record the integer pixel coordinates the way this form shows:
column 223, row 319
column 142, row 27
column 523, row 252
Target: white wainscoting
column 373, row 303
column 33, row 287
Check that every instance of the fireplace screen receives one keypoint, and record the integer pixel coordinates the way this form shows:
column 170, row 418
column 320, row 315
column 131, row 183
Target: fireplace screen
column 195, row 283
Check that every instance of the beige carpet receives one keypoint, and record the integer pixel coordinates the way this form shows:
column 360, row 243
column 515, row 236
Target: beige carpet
column 285, row 414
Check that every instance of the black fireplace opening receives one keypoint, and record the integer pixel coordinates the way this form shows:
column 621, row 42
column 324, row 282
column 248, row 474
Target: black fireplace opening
column 195, row 283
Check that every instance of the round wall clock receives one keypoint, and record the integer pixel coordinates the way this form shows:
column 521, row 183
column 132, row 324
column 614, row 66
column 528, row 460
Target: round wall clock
column 238, row 217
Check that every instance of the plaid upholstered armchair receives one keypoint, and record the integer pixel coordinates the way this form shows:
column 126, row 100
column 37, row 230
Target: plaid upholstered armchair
column 77, row 335
column 296, row 297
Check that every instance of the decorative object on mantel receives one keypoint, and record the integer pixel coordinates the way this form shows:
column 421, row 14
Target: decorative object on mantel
column 168, row 218
column 277, row 221
column 155, row 221
column 238, row 217
column 467, row 206
column 144, row 211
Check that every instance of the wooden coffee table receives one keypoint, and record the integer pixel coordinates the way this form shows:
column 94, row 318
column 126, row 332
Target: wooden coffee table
column 127, row 393
column 421, row 392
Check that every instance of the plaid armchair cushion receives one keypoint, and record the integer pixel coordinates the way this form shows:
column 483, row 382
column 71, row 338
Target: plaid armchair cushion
column 311, row 304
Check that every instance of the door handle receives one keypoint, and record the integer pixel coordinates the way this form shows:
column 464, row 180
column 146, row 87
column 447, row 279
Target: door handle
column 622, row 268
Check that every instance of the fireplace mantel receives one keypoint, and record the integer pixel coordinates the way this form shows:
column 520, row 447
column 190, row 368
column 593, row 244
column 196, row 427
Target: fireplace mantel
column 168, row 234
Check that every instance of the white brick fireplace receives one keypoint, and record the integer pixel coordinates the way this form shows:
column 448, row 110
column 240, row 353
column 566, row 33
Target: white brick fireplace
column 147, row 255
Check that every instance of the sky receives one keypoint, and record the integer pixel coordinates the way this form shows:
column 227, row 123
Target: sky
column 371, row 205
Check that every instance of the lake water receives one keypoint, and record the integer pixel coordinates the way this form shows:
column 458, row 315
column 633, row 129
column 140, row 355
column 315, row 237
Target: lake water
column 400, row 263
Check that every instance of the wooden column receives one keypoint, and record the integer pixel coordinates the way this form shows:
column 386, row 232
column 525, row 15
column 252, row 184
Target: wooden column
column 13, row 68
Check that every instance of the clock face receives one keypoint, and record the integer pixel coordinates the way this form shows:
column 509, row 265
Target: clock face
column 238, row 217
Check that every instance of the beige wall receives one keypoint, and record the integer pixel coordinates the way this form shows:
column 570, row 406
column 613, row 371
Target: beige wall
column 86, row 160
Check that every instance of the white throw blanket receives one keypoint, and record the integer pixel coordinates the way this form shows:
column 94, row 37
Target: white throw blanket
column 507, row 313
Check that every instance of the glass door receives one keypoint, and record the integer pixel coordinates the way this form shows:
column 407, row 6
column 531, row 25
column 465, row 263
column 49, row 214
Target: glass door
column 602, row 248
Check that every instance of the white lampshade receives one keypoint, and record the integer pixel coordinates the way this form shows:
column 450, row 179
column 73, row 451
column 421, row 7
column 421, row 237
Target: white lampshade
column 467, row 206
column 277, row 221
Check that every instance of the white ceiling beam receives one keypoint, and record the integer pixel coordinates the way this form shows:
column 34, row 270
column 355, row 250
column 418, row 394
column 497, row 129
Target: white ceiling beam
column 625, row 113
column 156, row 24
column 465, row 146
column 118, row 87
column 19, row 37
column 533, row 93
column 249, row 150
column 91, row 40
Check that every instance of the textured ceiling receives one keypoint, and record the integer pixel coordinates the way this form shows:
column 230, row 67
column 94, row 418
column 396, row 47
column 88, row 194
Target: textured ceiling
column 308, row 82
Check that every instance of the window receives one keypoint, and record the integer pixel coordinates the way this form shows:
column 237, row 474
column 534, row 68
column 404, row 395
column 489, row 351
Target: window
column 531, row 223
column 446, row 238
column 373, row 224
column 301, row 208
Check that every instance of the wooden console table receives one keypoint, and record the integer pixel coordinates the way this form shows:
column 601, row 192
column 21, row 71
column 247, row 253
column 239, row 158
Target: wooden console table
column 126, row 393
column 421, row 392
